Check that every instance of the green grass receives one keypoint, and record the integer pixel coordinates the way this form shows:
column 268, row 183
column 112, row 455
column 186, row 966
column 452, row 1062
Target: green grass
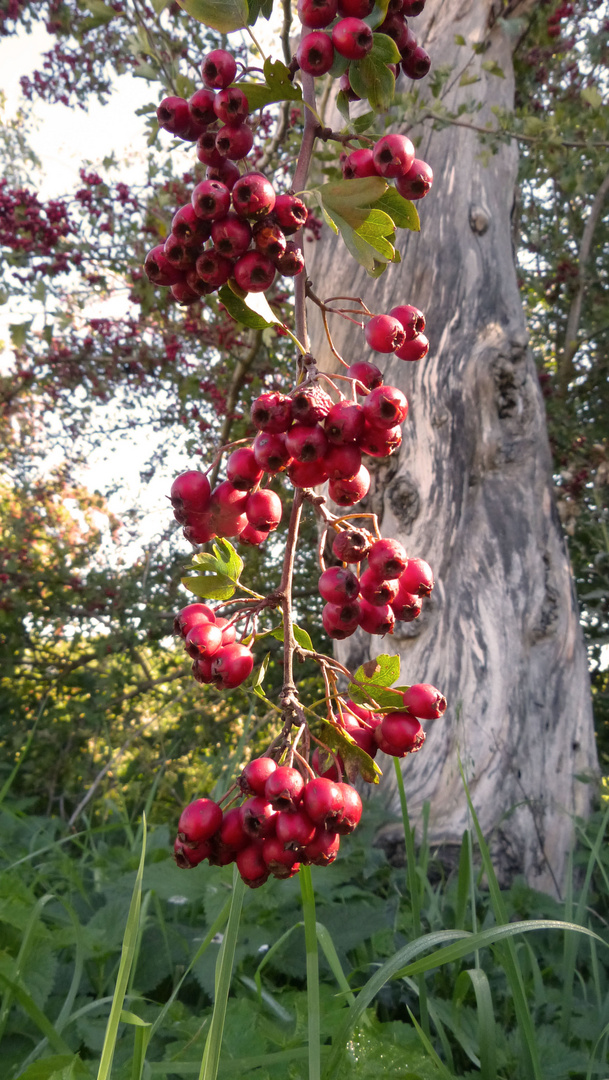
column 111, row 959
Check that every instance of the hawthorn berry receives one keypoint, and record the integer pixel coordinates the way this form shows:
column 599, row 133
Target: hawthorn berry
column 159, row 269
column 292, row 262
column 385, row 407
column 378, row 591
column 424, row 701
column 341, row 620
column 352, row 810
column 415, row 349
column 380, row 442
column 284, row 788
column 337, row 585
column 174, row 116
column 393, row 155
column 351, row 545
column 411, row 319
column 367, row 374
column 254, row 272
column 358, row 164
column 188, row 227
column 243, row 470
column 290, row 213
column 253, row 537
column 294, row 828
column 252, row 866
column 264, row 509
column 417, row 578
column 417, row 63
column 306, row 443
column 231, row 666
column 387, row 559
column 211, row 200
column 417, row 182
column 180, row 254
column 343, row 462
column 201, row 107
column 214, row 269
column 271, row 452
column 376, row 618
column 234, row 142
column 311, row 404
column 322, row 849
column 384, row 334
column 231, row 235
column 231, row 106
column 315, row 53
column 190, row 615
column 352, row 38
column 355, row 9
column 269, row 239
column 191, row 490
column 399, row 734
column 199, row 821
column 258, row 816
column 207, row 151
column 307, row 473
column 203, row 641
column 255, row 775
column 323, row 801
column 253, row 195
column 317, row 13
column 218, row 69
column 272, row 413
column 349, row 492
column 344, row 423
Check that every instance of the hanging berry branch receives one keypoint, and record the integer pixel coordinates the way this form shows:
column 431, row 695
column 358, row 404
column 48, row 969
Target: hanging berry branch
column 291, row 806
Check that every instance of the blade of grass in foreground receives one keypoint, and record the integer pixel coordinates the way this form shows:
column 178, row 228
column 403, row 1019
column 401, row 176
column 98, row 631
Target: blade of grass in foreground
column 413, row 888
column 313, row 1007
column 127, row 956
column 224, row 971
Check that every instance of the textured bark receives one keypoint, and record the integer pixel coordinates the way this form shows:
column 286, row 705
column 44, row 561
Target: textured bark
column 471, row 492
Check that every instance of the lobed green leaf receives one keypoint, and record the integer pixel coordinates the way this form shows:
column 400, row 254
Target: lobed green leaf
column 221, row 15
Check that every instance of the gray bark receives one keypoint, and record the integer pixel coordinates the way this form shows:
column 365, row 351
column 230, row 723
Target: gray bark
column 471, row 492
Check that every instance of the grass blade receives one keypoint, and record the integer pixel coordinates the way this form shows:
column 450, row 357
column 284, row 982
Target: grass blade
column 325, row 940
column 224, row 971
column 127, row 955
column 486, row 1020
column 413, row 887
column 313, row 1006
column 444, row 1072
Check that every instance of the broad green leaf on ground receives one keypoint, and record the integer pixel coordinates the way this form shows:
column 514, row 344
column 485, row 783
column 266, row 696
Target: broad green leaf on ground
column 370, row 78
column 252, row 310
column 222, row 15
column 355, row 760
column 276, row 87
column 402, row 212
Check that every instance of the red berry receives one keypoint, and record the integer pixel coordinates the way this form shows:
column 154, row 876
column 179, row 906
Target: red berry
column 272, row 413
column 227, row 503
column 352, row 38
column 229, row 632
column 226, row 173
column 317, row 13
column 399, row 734
column 264, row 509
column 415, row 349
column 368, row 374
column 252, row 866
column 407, row 607
column 290, row 213
column 315, row 53
column 189, row 855
column 326, row 764
column 307, row 473
column 190, row 615
column 183, row 294
column 292, row 262
column 344, row 422
column 174, row 116
column 231, row 235
column 393, row 155
column 258, row 816
column 413, row 7
column 234, row 143
column 380, row 442
column 254, row 272
column 218, row 69
column 387, row 559
column 207, row 151
column 385, row 407
column 344, row 85
column 351, row 545
column 323, row 848
column 411, row 319
column 337, row 585
column 231, row 106
column 200, row 530
column 417, row 578
column 284, row 788
column 306, row 443
column 189, row 228
column 377, row 591
column 199, row 821
column 253, row 537
column 424, row 701
column 356, row 9
column 416, row 64
column 352, row 810
column 384, row 334
column 269, row 239
column 231, row 666
column 359, row 163
column 243, row 470
column 203, row 641
column 417, row 182
column 158, row 268
column 281, row 863
column 341, row 620
column 201, row 671
column 294, row 829
column 271, row 452
column 201, row 107
column 211, row 200
column 323, row 802
column 191, row 491
column 214, row 269
column 255, row 775
column 253, row 195
column 232, row 834
column 310, row 404
column 349, row 492
column 376, row 618
column 343, row 462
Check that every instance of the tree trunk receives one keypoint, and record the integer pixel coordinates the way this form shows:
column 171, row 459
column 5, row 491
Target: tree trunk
column 470, row 491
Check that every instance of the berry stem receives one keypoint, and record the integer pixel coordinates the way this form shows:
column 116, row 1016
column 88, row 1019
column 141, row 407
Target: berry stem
column 285, row 595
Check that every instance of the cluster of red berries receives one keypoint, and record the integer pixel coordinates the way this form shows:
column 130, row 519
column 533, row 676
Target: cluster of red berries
column 292, row 817
column 338, row 27
column 232, row 508
column 285, row 821
column 235, row 227
column 399, row 332
column 391, row 157
column 217, row 656
column 391, row 587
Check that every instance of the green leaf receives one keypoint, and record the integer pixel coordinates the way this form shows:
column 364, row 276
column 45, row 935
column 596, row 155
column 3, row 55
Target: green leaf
column 402, row 212
column 362, row 123
column 259, row 676
column 378, row 14
column 370, row 78
column 300, row 635
column 240, row 311
column 592, row 97
column 210, row 587
column 365, row 253
column 259, row 7
column 342, row 104
column 102, row 12
column 460, row 40
column 468, row 80
column 224, row 561
column 160, row 5
column 372, row 681
column 493, row 68
column 352, row 199
column 57, row 1067
column 277, row 87
column 222, row 15
column 354, row 758
column 19, row 332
